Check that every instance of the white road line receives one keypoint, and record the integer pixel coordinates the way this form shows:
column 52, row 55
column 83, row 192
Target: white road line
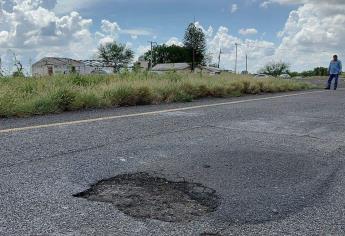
column 77, row 122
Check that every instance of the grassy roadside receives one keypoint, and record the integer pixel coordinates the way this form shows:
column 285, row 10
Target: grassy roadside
column 37, row 96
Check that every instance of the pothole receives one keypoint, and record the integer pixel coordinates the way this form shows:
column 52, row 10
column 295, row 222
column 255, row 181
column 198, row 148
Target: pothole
column 143, row 196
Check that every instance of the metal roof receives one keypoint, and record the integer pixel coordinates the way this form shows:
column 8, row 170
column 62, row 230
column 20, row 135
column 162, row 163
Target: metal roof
column 171, row 66
column 211, row 69
column 58, row 61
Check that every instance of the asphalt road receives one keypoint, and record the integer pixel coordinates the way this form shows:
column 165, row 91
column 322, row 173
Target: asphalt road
column 275, row 161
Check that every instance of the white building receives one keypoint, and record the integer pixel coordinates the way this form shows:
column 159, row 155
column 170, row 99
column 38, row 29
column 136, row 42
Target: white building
column 49, row 66
column 55, row 66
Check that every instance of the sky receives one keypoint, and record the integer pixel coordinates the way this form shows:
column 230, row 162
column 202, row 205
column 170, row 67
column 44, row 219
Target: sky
column 303, row 33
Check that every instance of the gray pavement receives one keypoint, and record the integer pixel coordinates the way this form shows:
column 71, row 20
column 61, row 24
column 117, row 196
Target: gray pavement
column 276, row 164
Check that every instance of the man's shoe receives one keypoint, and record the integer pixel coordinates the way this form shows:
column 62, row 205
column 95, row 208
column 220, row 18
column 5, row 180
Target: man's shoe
column 327, row 88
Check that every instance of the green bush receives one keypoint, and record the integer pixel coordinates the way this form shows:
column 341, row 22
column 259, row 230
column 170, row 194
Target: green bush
column 63, row 99
column 121, row 96
column 44, row 105
column 85, row 100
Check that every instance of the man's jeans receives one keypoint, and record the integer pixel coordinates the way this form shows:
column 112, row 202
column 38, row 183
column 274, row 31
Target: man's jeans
column 331, row 77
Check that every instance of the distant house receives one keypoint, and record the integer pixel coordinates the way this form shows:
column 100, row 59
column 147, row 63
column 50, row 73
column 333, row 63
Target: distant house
column 54, row 66
column 97, row 67
column 161, row 68
column 142, row 65
column 211, row 70
column 185, row 67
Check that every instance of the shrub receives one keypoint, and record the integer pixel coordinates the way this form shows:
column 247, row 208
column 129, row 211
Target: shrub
column 121, row 96
column 85, row 100
column 63, row 99
column 44, row 105
column 144, row 96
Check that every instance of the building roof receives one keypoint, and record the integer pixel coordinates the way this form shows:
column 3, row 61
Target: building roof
column 212, row 69
column 171, row 66
column 58, row 61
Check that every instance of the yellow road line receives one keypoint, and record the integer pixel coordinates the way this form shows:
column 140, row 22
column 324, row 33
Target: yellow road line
column 77, row 122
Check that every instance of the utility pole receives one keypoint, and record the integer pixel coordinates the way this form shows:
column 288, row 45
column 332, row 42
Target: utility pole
column 236, row 44
column 152, row 47
column 220, row 53
column 193, row 46
column 193, row 63
column 30, row 63
column 246, row 63
column 1, row 73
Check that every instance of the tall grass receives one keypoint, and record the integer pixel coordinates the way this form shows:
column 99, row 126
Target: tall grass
column 37, row 96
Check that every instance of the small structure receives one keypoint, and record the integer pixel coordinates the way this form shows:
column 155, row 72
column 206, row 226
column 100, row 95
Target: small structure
column 211, row 70
column 142, row 65
column 54, row 66
column 97, row 67
column 185, row 67
column 161, row 68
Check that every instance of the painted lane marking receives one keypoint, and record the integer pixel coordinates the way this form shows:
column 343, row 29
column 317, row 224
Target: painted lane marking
column 78, row 122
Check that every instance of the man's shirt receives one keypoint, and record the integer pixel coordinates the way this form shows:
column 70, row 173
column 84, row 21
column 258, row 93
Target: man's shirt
column 335, row 67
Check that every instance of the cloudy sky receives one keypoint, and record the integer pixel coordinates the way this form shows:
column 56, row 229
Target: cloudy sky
column 304, row 33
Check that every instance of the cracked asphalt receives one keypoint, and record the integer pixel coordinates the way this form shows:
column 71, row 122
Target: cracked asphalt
column 276, row 164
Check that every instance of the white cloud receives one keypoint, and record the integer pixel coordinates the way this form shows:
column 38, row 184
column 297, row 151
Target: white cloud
column 141, row 50
column 249, row 31
column 174, row 41
column 208, row 32
column 66, row 6
column 31, row 29
column 266, row 3
column 313, row 33
column 259, row 51
column 234, row 8
column 111, row 28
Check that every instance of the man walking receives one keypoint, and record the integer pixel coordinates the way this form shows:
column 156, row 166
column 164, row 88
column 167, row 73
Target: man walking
column 335, row 69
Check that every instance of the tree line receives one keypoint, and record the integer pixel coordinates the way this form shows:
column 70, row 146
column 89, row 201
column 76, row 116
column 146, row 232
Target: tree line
column 278, row 68
column 193, row 51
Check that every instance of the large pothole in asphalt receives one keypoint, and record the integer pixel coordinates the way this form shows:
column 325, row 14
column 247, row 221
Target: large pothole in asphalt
column 143, row 196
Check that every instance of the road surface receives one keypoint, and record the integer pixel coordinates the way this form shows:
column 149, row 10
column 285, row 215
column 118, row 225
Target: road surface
column 276, row 162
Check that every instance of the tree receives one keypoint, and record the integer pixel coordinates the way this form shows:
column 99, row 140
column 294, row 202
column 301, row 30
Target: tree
column 19, row 67
column 275, row 69
column 318, row 71
column 195, row 42
column 117, row 55
column 168, row 54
